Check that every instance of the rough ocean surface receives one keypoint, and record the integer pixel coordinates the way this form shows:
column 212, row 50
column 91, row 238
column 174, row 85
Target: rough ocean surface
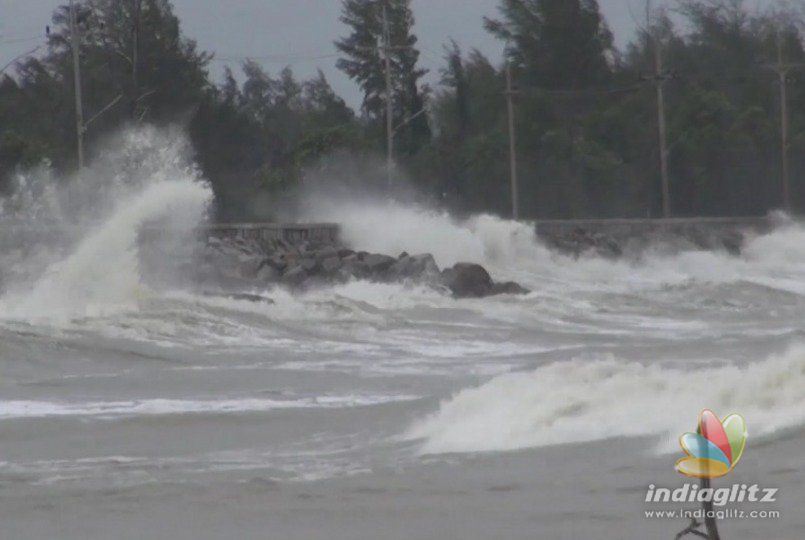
column 134, row 408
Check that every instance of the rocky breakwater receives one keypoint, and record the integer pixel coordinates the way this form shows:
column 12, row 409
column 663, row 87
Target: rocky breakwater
column 237, row 264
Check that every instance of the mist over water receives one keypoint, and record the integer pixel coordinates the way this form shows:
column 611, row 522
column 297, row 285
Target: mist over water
column 143, row 380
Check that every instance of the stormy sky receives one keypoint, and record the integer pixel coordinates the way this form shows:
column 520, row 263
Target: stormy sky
column 299, row 33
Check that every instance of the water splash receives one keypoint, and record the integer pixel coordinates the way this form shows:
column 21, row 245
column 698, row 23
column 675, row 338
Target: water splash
column 149, row 181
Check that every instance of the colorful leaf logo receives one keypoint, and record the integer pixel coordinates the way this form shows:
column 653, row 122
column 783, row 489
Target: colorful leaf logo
column 716, row 449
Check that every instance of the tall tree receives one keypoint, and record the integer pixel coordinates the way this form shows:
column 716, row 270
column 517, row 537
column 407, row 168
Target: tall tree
column 364, row 62
column 133, row 56
column 133, row 49
column 557, row 43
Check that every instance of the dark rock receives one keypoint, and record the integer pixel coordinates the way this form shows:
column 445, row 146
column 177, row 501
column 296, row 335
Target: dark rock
column 353, row 267
column 295, row 276
column 268, row 274
column 377, row 264
column 466, row 280
column 326, row 253
column 277, row 262
column 331, row 265
column 421, row 267
column 343, row 253
column 309, row 265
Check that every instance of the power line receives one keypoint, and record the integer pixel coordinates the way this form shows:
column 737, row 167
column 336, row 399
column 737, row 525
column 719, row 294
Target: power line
column 582, row 91
column 17, row 59
column 277, row 58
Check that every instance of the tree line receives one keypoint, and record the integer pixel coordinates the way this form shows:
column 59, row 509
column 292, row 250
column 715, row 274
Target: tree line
column 586, row 112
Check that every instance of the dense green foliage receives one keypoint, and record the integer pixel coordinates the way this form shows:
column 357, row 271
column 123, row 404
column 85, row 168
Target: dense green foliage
column 586, row 113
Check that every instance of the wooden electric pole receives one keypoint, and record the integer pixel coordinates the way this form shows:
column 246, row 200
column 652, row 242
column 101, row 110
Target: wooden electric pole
column 782, row 72
column 135, row 54
column 512, row 143
column 782, row 68
column 660, row 77
column 652, row 32
column 75, row 44
column 389, row 98
column 663, row 133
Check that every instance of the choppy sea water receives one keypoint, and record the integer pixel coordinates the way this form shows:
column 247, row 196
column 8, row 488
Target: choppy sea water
column 371, row 410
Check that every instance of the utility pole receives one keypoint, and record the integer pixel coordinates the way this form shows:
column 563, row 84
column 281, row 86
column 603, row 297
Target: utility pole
column 75, row 44
column 389, row 98
column 663, row 132
column 782, row 72
column 512, row 143
column 660, row 77
column 135, row 53
column 782, row 68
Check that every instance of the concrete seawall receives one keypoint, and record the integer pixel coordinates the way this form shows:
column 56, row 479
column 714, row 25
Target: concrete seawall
column 614, row 237
column 618, row 228
column 15, row 233
column 624, row 228
column 327, row 233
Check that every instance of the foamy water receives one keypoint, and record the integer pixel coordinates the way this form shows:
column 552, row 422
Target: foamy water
column 13, row 410
column 163, row 374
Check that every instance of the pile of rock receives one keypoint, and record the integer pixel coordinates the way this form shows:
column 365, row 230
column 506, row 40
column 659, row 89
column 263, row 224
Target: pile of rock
column 612, row 245
column 580, row 241
column 235, row 263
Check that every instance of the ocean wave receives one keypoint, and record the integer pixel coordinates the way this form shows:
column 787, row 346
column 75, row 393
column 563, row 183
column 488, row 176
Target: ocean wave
column 583, row 401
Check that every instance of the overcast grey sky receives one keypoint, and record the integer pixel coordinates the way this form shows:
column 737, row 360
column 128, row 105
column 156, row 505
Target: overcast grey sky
column 283, row 32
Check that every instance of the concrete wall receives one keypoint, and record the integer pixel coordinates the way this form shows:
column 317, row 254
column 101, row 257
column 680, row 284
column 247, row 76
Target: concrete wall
column 624, row 228
column 263, row 232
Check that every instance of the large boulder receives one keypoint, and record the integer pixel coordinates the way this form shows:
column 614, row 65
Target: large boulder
column 295, row 276
column 414, row 267
column 378, row 264
column 327, row 252
column 268, row 274
column 467, row 280
column 352, row 267
column 277, row 261
column 331, row 265
column 310, row 265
